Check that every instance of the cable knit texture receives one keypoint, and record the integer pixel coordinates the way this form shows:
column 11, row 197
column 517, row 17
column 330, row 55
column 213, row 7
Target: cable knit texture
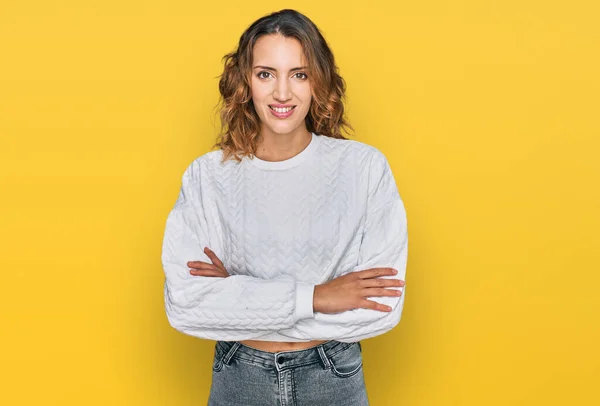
column 280, row 228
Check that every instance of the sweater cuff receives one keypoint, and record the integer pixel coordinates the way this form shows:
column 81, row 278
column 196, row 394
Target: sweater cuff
column 304, row 300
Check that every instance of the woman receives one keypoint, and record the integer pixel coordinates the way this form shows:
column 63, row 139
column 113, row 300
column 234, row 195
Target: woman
column 278, row 238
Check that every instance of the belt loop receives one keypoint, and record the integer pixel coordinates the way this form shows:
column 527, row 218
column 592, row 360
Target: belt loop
column 324, row 359
column 232, row 350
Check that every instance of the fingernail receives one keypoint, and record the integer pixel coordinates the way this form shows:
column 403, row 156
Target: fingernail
column 395, row 272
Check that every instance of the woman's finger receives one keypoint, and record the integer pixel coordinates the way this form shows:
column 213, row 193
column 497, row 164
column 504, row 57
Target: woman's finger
column 370, row 304
column 213, row 257
column 372, row 292
column 205, row 272
column 380, row 282
column 201, row 265
column 376, row 272
column 195, row 264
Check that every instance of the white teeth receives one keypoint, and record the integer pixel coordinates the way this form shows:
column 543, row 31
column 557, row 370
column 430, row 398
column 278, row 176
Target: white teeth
column 281, row 110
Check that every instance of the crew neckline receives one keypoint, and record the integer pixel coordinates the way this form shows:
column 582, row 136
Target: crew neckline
column 290, row 162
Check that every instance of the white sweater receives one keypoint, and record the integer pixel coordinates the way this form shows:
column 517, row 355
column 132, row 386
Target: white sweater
column 280, row 228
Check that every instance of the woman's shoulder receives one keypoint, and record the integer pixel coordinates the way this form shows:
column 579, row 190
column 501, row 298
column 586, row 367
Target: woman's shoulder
column 210, row 161
column 203, row 166
column 358, row 151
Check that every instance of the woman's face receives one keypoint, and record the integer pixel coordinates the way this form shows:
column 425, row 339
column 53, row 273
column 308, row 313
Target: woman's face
column 280, row 77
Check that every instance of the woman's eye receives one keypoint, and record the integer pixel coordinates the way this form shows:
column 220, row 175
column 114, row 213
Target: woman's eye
column 265, row 75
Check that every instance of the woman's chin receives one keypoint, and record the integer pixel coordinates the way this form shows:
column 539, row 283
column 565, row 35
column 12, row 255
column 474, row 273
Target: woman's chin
column 282, row 128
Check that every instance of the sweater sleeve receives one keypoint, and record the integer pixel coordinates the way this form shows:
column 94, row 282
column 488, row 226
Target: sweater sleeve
column 384, row 244
column 237, row 307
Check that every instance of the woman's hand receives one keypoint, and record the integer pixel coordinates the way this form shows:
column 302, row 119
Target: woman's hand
column 351, row 290
column 200, row 268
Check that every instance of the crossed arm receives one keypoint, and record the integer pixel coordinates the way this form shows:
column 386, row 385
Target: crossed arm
column 203, row 300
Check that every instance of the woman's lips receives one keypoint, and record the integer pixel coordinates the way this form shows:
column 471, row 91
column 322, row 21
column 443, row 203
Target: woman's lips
column 282, row 115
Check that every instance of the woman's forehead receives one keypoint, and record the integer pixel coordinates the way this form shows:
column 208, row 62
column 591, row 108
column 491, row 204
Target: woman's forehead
column 278, row 52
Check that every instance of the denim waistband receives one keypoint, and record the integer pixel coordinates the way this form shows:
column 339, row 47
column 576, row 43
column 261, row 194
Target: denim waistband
column 282, row 359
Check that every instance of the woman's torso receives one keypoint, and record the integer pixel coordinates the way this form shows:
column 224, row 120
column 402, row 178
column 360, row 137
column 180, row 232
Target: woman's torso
column 305, row 220
column 274, row 346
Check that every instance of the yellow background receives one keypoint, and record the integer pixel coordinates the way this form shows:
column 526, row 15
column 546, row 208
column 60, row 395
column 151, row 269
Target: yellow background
column 487, row 111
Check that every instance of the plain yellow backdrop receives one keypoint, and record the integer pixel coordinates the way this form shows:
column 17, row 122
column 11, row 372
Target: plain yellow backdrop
column 487, row 111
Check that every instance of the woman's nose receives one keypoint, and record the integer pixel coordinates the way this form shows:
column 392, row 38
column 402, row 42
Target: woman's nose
column 282, row 89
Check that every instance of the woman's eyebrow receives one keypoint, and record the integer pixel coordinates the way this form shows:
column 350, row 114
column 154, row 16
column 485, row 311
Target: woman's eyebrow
column 273, row 69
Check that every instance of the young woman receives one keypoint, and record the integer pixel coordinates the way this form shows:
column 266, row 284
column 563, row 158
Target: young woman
column 279, row 238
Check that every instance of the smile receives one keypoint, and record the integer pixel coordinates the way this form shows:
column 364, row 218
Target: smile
column 282, row 112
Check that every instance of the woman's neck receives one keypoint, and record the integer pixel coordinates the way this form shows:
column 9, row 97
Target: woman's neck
column 279, row 147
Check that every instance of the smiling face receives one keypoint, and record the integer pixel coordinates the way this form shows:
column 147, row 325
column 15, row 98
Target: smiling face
column 281, row 90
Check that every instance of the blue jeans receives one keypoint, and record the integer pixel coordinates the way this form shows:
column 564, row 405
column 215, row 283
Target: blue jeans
column 328, row 374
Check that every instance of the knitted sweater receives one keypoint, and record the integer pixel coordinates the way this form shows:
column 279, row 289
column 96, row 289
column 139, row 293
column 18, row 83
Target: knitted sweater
column 280, row 228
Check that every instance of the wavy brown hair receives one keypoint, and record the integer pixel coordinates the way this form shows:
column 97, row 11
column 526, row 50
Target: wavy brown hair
column 240, row 124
